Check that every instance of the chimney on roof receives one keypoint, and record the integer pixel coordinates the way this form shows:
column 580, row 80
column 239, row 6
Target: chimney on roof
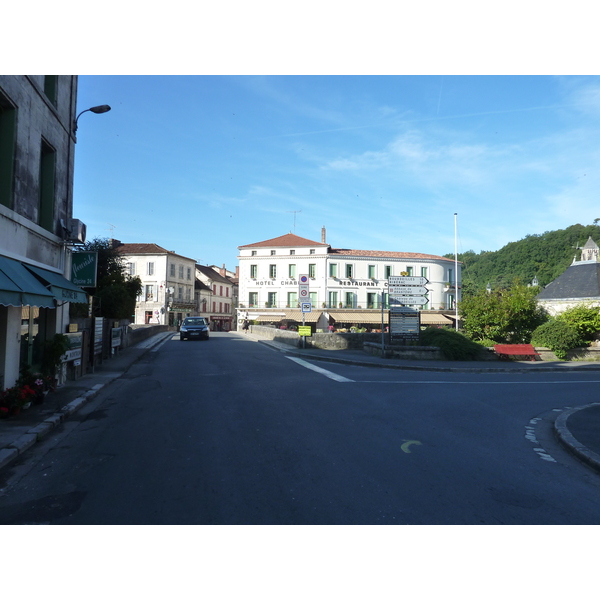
column 223, row 271
column 237, row 271
column 114, row 243
column 323, row 235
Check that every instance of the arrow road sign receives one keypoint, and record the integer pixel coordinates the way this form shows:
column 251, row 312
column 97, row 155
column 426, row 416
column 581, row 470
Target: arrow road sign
column 405, row 290
column 409, row 299
column 401, row 280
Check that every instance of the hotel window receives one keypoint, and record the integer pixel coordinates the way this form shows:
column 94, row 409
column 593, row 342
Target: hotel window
column 172, row 270
column 371, row 271
column 333, row 270
column 272, row 271
column 180, row 271
column 8, row 119
column 349, row 299
column 272, row 299
column 252, row 298
column 253, row 253
column 312, row 271
column 253, row 271
column 150, row 270
column 47, row 191
column 333, row 299
column 313, row 298
column 292, row 271
column 349, row 271
column 292, row 299
column 292, row 252
column 388, row 272
column 272, row 252
column 371, row 300
column 311, row 251
column 423, row 271
column 409, row 270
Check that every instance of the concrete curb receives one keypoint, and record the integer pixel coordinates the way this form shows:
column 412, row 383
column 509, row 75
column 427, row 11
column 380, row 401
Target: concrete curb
column 568, row 440
column 358, row 363
column 40, row 431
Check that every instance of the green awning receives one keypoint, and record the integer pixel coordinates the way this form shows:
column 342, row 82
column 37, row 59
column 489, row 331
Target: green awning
column 10, row 294
column 62, row 288
column 16, row 279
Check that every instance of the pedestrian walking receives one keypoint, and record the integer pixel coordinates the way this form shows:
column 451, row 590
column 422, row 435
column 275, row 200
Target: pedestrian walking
column 245, row 326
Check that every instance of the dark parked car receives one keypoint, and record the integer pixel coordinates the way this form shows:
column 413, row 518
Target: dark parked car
column 194, row 328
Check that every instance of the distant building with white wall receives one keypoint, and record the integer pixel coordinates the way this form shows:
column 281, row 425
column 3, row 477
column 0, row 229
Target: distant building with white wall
column 340, row 280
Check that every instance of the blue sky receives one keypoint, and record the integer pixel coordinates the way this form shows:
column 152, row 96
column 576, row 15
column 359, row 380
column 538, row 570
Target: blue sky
column 203, row 164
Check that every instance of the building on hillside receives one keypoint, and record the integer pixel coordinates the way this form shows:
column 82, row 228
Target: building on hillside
column 579, row 284
column 37, row 231
column 345, row 285
column 168, row 282
column 220, row 305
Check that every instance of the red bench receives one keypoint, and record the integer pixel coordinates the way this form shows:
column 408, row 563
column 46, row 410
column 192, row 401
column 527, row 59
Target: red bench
column 506, row 350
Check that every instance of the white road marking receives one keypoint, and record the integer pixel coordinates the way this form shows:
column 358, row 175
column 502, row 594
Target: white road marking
column 407, row 381
column 325, row 372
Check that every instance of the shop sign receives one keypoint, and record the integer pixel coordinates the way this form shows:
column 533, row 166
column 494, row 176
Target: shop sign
column 84, row 268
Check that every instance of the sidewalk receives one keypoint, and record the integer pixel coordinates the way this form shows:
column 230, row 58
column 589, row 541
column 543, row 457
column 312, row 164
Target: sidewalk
column 577, row 428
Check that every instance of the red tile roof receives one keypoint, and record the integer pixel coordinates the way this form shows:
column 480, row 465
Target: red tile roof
column 287, row 240
column 386, row 254
column 146, row 249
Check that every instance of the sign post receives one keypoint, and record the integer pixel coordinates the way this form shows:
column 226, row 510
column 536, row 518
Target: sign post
column 405, row 322
column 304, row 295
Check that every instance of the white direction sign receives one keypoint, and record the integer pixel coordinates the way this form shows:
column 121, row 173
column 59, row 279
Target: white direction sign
column 401, row 280
column 409, row 299
column 404, row 290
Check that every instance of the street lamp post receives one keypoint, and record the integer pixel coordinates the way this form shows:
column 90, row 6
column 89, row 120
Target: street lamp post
column 98, row 110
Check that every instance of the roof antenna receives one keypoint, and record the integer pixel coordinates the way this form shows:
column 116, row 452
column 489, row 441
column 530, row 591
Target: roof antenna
column 294, row 211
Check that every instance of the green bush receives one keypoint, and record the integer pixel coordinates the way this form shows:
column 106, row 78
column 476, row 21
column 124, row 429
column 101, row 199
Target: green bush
column 583, row 318
column 454, row 345
column 486, row 342
column 557, row 335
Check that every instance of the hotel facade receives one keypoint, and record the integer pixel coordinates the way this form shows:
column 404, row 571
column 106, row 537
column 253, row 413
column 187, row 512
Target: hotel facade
column 345, row 285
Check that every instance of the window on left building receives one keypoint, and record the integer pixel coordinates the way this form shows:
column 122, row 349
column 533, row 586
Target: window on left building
column 8, row 119
column 47, row 186
column 150, row 268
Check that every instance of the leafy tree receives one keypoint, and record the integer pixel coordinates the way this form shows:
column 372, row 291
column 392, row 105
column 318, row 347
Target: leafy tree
column 584, row 319
column 116, row 293
column 504, row 316
column 454, row 345
column 557, row 335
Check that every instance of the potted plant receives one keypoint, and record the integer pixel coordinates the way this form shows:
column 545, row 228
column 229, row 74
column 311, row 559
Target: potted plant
column 54, row 350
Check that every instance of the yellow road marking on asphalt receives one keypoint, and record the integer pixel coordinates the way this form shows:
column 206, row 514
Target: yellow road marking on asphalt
column 407, row 443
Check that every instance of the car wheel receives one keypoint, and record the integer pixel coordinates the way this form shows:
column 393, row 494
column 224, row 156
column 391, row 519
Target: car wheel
column 181, row 338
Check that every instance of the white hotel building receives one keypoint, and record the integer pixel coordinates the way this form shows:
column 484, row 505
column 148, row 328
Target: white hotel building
column 346, row 286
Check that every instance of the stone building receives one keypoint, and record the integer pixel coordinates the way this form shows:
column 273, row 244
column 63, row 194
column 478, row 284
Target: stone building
column 37, row 231
column 168, row 290
column 579, row 284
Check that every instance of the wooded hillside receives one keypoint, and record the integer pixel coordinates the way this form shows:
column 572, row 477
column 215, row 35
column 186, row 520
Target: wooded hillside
column 544, row 256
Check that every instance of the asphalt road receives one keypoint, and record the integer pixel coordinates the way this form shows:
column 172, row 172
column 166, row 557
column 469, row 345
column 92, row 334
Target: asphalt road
column 232, row 432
